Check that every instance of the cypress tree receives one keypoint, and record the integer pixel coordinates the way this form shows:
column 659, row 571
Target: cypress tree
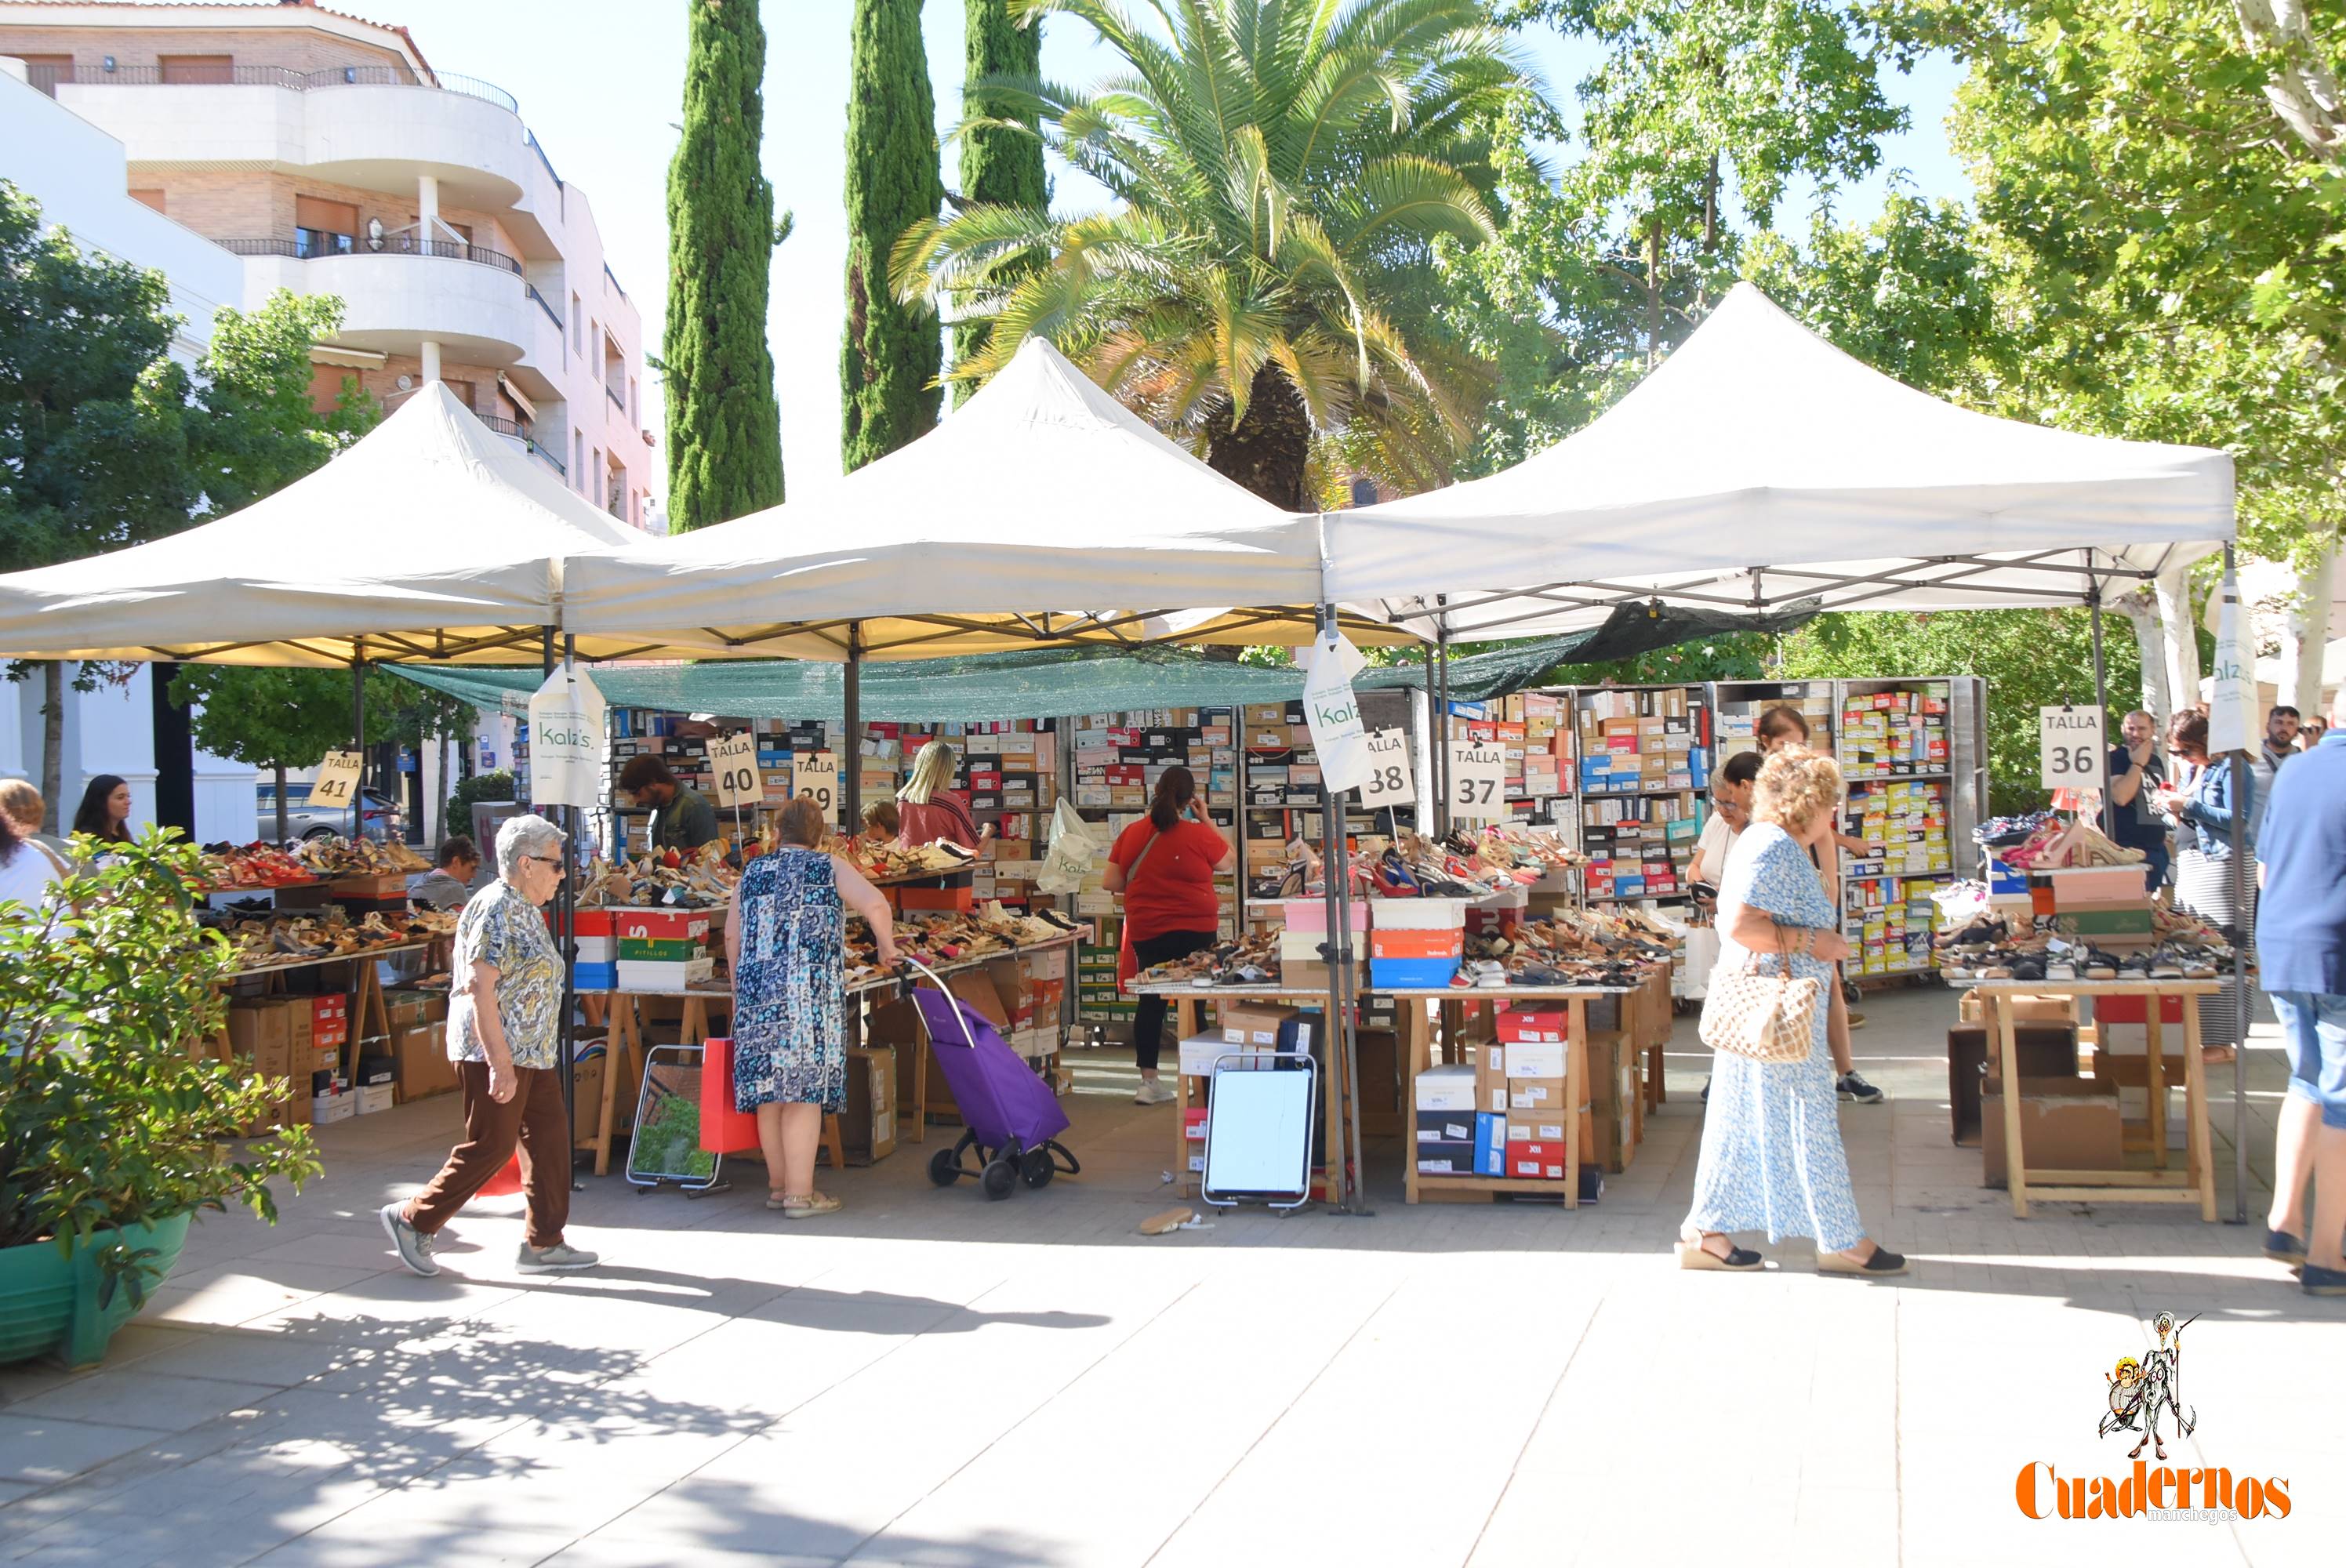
column 724, row 427
column 894, row 352
column 999, row 168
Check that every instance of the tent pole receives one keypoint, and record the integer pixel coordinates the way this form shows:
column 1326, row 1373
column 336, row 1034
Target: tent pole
column 2101, row 700
column 1441, row 719
column 851, row 772
column 2243, row 938
column 358, row 734
column 1336, row 875
column 566, row 936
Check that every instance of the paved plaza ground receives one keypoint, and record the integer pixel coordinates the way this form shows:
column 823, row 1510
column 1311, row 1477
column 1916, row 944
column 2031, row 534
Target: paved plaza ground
column 932, row 1379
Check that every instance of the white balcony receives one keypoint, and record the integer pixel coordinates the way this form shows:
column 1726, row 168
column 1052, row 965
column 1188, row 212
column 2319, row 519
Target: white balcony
column 374, row 136
column 470, row 302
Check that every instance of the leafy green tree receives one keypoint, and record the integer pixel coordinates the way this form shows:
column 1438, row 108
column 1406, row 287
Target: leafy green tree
column 93, row 426
column 724, row 426
column 1282, row 170
column 1001, row 159
column 277, row 719
column 2170, row 232
column 252, row 429
column 892, row 356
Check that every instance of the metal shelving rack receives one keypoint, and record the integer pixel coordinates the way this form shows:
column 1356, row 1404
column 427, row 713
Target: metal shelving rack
column 1671, row 811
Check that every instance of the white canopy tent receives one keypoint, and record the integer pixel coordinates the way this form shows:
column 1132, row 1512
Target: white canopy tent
column 1041, row 511
column 1760, row 465
column 431, row 538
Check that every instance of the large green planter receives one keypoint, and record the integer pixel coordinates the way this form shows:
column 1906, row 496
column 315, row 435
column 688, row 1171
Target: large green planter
column 49, row 1300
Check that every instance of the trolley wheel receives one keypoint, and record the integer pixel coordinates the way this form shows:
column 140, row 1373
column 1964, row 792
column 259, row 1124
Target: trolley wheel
column 690, row 1193
column 944, row 1167
column 1038, row 1167
column 1850, row 993
column 998, row 1179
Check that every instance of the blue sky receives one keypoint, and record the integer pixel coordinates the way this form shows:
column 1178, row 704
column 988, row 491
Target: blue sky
column 600, row 81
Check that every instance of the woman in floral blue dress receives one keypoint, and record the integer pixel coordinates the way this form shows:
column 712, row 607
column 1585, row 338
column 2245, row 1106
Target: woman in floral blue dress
column 785, row 938
column 1772, row 1153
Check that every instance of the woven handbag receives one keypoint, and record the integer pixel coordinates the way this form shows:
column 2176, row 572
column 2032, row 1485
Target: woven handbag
column 1765, row 1017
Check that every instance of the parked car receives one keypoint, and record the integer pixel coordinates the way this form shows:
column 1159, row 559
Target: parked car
column 378, row 815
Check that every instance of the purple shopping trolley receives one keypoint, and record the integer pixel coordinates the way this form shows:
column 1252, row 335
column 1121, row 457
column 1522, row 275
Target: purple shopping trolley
column 1013, row 1119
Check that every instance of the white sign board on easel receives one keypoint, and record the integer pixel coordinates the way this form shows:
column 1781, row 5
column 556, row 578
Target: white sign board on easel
column 1391, row 781
column 1478, row 780
column 2069, row 748
column 733, row 759
column 815, row 774
column 337, row 784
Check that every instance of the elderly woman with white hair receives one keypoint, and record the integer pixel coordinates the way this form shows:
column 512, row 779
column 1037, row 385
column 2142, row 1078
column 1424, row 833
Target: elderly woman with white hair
column 503, row 1036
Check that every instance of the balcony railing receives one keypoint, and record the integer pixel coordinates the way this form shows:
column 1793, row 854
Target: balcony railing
column 550, row 314
column 503, row 425
column 308, row 244
column 47, row 78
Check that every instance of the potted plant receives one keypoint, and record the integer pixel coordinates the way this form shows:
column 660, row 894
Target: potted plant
column 117, row 1115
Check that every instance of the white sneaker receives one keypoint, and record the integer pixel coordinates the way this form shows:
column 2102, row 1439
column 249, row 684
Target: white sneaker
column 1155, row 1092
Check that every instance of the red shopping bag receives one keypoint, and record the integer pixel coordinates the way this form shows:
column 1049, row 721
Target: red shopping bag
column 723, row 1129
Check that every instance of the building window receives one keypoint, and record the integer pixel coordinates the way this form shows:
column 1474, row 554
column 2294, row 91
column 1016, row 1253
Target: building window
column 577, row 332
column 579, row 458
column 44, row 72
column 635, row 406
column 598, row 476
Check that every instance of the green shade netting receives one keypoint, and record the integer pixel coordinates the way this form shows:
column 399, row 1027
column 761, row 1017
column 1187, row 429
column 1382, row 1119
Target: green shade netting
column 1049, row 682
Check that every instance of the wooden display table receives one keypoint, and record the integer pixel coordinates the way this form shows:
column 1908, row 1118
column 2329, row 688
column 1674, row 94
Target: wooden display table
column 1416, row 1028
column 2195, row 1183
column 1189, row 1020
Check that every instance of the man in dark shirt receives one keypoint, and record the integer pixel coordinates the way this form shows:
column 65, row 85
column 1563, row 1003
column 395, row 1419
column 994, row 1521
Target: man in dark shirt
column 2301, row 955
column 682, row 818
column 2137, row 773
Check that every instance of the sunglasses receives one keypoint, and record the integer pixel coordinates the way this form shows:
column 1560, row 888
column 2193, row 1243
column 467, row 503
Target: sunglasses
column 554, row 860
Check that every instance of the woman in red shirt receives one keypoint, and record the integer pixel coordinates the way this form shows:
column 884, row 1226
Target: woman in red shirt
column 1164, row 866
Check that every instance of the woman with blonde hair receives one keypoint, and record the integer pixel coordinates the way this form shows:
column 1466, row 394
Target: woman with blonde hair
column 1772, row 1152
column 930, row 808
column 26, row 810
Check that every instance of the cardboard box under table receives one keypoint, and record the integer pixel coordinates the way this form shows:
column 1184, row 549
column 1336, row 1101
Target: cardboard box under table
column 1528, row 1081
column 2195, row 1183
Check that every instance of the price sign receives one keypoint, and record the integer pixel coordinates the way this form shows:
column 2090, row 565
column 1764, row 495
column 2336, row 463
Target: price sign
column 815, row 774
column 337, row 784
column 1478, row 780
column 2070, row 746
column 1390, row 780
column 734, row 759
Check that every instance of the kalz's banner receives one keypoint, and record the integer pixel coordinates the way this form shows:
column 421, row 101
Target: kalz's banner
column 1334, row 714
column 565, row 740
column 2231, row 679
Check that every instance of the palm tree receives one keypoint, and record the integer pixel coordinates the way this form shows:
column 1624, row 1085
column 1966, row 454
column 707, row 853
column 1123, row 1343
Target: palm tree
column 1283, row 169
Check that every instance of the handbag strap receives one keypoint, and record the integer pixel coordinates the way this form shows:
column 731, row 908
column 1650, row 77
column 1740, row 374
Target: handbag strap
column 1153, row 835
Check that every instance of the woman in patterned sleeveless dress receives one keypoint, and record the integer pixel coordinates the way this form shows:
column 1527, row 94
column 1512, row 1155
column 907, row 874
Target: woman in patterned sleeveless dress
column 785, row 938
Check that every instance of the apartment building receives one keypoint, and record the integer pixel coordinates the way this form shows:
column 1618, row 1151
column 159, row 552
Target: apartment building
column 326, row 151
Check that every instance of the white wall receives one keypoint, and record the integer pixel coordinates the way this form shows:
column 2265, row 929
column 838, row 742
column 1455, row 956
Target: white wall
column 79, row 175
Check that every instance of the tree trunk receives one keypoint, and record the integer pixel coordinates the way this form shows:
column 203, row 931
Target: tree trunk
column 1710, row 208
column 285, row 829
column 439, row 800
column 1269, row 451
column 1654, row 290
column 2174, row 590
column 2138, row 608
column 52, row 744
column 2304, row 88
column 2306, row 637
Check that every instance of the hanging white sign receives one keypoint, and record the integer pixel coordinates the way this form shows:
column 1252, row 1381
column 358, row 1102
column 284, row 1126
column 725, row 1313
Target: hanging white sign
column 1334, row 713
column 734, row 760
column 815, row 774
column 2069, row 748
column 565, row 740
column 2231, row 679
column 337, row 784
column 1390, row 781
column 1478, row 780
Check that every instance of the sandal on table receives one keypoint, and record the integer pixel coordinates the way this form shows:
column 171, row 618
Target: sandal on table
column 1693, row 1255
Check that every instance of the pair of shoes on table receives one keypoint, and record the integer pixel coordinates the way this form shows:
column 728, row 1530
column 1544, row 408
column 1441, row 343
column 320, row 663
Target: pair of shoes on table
column 1155, row 1092
column 812, row 1206
column 1850, row 1086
